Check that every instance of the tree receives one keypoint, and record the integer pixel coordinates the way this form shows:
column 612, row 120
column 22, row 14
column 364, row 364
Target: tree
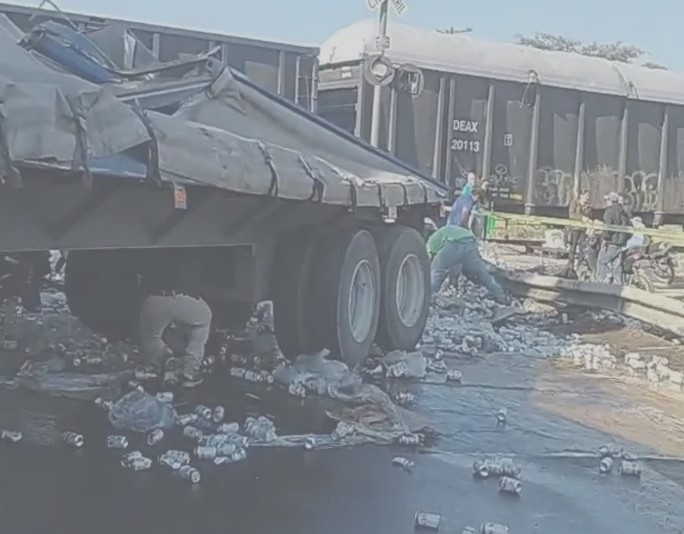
column 617, row 51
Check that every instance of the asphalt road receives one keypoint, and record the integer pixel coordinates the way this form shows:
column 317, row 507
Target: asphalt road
column 47, row 488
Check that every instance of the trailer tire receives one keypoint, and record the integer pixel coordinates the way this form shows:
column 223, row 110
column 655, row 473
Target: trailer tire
column 292, row 284
column 346, row 298
column 405, row 300
column 101, row 288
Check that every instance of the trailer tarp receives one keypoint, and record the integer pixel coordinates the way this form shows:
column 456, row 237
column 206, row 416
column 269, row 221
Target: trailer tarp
column 233, row 136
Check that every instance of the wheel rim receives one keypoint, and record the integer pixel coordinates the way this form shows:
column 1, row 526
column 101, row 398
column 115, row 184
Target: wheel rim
column 361, row 301
column 410, row 290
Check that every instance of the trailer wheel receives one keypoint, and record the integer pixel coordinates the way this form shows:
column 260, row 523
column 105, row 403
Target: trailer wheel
column 292, row 284
column 101, row 288
column 405, row 300
column 346, row 297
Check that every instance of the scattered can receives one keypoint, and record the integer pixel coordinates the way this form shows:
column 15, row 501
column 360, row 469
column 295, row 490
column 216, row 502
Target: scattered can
column 606, row 465
column 342, row 430
column 189, row 473
column 193, row 433
column 11, row 436
column 632, row 469
column 630, row 457
column 218, row 413
column 117, row 442
column 297, row 389
column 428, row 520
column 204, row 452
column 73, row 439
column 469, row 530
column 493, row 528
column 237, row 372
column 240, row 441
column 155, row 437
column 166, row 460
column 130, row 456
column 501, row 416
column 510, row 485
column 135, row 385
column 9, row 344
column 239, row 455
column 165, row 396
column 410, row 439
column 481, row 469
column 135, row 461
column 609, row 450
column 187, row 419
column 310, row 443
column 403, row 462
column 228, row 428
column 404, row 397
column 226, row 449
column 103, row 404
column 203, row 412
column 213, row 440
column 454, row 375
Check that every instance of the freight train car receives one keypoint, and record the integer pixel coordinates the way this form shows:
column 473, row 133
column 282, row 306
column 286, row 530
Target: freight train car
column 285, row 69
column 538, row 125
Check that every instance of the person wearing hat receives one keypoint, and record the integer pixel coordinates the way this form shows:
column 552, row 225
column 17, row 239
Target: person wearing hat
column 609, row 267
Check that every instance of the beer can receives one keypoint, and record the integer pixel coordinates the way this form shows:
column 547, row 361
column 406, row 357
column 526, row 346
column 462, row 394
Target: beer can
column 454, row 375
column 204, row 452
column 237, row 372
column 117, row 442
column 510, row 485
column 402, row 462
column 11, row 436
column 129, row 457
column 226, row 449
column 155, row 437
column 218, row 413
column 297, row 389
column 481, row 469
column 606, row 465
column 404, row 397
column 310, row 443
column 493, row 528
column 165, row 396
column 167, row 460
column 228, row 428
column 203, row 412
column 501, row 416
column 73, row 439
column 628, row 468
column 103, row 404
column 139, row 464
column 189, row 473
column 193, row 433
column 428, row 520
column 187, row 419
column 410, row 439
column 469, row 530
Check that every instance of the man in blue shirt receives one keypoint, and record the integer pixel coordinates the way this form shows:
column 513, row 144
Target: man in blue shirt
column 462, row 209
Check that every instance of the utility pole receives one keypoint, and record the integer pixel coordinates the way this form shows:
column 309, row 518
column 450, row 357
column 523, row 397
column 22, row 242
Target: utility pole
column 377, row 90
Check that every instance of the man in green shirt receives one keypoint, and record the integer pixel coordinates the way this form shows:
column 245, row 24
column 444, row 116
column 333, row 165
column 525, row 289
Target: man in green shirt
column 452, row 247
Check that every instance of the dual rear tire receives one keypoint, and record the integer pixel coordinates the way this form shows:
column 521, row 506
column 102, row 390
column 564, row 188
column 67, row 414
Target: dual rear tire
column 347, row 289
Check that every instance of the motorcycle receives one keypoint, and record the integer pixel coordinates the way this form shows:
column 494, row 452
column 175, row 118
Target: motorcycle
column 664, row 262
column 637, row 268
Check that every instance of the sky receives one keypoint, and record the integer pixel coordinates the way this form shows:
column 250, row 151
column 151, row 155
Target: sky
column 310, row 22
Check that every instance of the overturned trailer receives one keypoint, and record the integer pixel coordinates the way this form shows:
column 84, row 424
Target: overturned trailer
column 538, row 125
column 193, row 155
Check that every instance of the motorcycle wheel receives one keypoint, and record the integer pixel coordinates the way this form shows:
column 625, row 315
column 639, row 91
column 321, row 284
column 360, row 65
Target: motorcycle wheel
column 665, row 273
column 643, row 279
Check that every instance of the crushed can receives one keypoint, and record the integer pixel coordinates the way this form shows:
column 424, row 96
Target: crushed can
column 165, row 396
column 481, row 469
column 135, row 385
column 501, row 416
column 410, row 439
column 510, row 485
column 428, row 520
column 9, row 344
column 237, row 372
column 213, row 440
column 228, row 428
column 204, row 452
column 342, row 430
column 493, row 528
column 404, row 397
column 187, row 419
column 73, row 439
column 155, row 437
column 632, row 469
column 167, row 460
column 297, row 389
column 189, row 473
column 454, row 375
column 103, row 404
column 251, row 376
column 204, row 412
column 310, row 443
column 226, row 449
column 606, row 465
column 240, row 441
column 129, row 456
column 238, row 359
column 193, row 433
column 11, row 436
column 139, row 464
column 608, row 450
column 117, row 442
column 218, row 413
column 469, row 530
column 239, row 455
column 404, row 463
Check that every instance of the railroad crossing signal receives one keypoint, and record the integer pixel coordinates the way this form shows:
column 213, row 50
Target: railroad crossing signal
column 400, row 6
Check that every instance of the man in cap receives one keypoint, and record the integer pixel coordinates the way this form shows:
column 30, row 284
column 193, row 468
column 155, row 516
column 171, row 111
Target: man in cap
column 609, row 266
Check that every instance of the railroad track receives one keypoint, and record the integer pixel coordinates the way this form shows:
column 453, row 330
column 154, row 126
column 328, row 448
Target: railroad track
column 658, row 310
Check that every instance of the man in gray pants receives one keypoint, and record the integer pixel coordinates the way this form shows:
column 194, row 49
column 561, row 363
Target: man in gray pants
column 172, row 296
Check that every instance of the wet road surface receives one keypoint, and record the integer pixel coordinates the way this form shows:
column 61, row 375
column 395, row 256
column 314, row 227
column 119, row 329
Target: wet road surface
column 54, row 489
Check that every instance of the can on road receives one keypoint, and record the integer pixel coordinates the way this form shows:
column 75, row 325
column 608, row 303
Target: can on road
column 155, row 437
column 632, row 469
column 189, row 473
column 117, row 442
column 11, row 436
column 510, row 485
column 428, row 520
column 73, row 439
column 493, row 528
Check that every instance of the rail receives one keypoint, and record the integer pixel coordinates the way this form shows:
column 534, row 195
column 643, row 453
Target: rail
column 662, row 312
